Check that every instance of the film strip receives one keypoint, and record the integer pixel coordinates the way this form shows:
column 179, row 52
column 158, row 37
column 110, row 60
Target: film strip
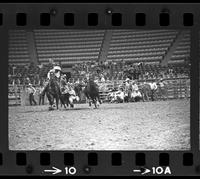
column 146, row 129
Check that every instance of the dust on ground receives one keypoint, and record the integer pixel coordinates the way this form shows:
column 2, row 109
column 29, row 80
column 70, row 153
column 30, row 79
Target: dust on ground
column 159, row 125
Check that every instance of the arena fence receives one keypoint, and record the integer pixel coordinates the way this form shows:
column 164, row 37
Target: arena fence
column 174, row 89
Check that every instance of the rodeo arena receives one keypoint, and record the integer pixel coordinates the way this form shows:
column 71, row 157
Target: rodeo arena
column 99, row 89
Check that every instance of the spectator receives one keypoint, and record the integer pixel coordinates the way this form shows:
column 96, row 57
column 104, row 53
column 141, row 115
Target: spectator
column 41, row 95
column 31, row 91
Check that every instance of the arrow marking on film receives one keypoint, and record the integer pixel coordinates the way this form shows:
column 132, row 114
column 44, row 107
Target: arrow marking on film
column 137, row 171
column 146, row 170
column 54, row 171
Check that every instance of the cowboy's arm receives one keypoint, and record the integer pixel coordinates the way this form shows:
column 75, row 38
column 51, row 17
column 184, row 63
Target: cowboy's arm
column 34, row 90
column 48, row 75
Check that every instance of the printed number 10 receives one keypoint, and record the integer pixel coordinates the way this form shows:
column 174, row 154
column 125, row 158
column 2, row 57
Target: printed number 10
column 70, row 170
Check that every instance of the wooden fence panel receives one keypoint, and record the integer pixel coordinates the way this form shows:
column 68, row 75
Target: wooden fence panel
column 175, row 89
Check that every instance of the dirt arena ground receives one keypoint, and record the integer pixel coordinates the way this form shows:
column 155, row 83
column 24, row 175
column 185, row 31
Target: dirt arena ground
column 159, row 125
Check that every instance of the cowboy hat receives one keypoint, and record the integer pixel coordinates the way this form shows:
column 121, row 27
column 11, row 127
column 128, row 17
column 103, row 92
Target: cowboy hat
column 57, row 68
column 127, row 79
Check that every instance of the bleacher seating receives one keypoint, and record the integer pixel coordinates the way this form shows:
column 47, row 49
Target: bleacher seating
column 76, row 46
column 137, row 46
column 68, row 46
column 182, row 50
column 18, row 47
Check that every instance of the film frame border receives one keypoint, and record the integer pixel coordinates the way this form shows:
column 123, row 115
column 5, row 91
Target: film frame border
column 181, row 162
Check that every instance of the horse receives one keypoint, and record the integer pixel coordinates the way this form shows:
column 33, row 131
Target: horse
column 147, row 92
column 53, row 92
column 91, row 92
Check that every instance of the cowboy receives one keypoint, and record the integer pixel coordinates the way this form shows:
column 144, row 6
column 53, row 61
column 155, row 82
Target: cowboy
column 72, row 94
column 31, row 91
column 102, row 78
column 41, row 94
column 162, row 89
column 127, row 82
column 63, row 83
column 134, row 86
column 153, row 87
column 120, row 95
column 136, row 95
column 128, row 88
column 96, row 80
column 56, row 70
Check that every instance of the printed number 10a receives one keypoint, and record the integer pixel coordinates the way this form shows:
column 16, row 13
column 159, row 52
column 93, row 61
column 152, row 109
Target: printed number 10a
column 70, row 170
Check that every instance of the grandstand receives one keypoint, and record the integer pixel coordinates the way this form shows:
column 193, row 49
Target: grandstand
column 18, row 48
column 156, row 48
column 76, row 46
column 68, row 47
column 159, row 50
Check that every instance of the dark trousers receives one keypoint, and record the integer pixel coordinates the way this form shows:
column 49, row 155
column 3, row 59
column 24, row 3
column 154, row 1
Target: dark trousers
column 31, row 99
column 137, row 98
column 41, row 99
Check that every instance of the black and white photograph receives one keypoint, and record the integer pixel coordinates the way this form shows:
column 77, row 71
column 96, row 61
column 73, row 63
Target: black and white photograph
column 116, row 89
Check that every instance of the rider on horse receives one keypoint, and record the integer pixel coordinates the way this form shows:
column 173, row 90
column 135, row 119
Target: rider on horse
column 56, row 71
column 52, row 90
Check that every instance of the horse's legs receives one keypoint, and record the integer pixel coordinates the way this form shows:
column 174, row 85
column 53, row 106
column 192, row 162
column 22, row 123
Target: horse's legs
column 57, row 101
column 152, row 95
column 94, row 102
column 143, row 97
column 88, row 98
column 50, row 99
column 62, row 101
column 67, row 100
column 98, row 98
column 156, row 95
column 97, row 102
column 147, row 96
column 90, row 104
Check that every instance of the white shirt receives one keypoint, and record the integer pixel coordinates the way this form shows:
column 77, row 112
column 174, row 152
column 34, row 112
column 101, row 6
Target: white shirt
column 127, row 84
column 135, row 87
column 72, row 92
column 120, row 94
column 153, row 86
column 102, row 79
column 136, row 93
column 31, row 89
column 161, row 84
column 96, row 81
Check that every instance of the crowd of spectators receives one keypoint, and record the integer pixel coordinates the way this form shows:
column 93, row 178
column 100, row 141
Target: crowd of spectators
column 34, row 74
column 102, row 71
column 120, row 71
